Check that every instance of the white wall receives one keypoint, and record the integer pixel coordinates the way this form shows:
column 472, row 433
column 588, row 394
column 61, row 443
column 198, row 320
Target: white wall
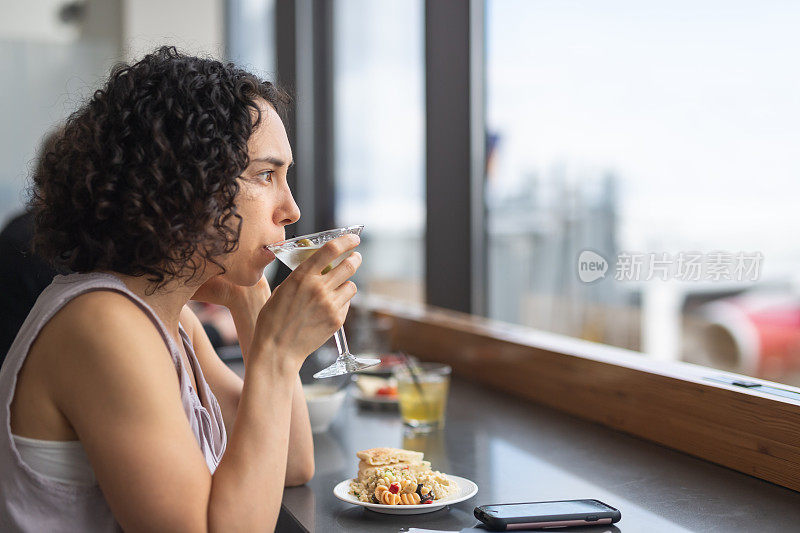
column 44, row 77
column 47, row 70
column 194, row 26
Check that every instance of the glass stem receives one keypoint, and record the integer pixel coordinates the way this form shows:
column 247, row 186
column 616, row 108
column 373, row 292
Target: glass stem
column 341, row 342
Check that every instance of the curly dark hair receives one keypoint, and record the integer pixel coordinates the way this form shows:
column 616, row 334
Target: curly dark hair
column 144, row 175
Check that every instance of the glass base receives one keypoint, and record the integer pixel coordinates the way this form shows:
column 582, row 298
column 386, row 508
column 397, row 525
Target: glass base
column 346, row 364
column 423, row 426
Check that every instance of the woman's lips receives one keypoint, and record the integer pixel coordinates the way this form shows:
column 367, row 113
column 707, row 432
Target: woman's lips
column 269, row 254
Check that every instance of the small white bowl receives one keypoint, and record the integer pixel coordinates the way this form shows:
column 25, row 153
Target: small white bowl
column 323, row 401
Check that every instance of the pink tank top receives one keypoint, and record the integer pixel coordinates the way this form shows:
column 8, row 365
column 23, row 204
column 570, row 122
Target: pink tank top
column 32, row 502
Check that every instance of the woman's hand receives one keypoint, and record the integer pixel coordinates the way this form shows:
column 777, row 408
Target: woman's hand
column 308, row 307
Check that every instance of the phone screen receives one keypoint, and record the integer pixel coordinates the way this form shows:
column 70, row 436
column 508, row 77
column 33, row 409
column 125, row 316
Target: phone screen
column 516, row 510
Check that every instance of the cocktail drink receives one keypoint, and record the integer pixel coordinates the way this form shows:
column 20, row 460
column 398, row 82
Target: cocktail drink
column 422, row 394
column 291, row 253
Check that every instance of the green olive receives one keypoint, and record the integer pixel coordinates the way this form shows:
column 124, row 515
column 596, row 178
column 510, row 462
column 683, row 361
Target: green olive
column 327, row 269
column 304, row 242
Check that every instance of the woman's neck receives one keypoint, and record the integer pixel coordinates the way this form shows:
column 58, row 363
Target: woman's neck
column 167, row 302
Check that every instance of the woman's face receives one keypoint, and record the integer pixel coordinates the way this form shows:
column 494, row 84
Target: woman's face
column 264, row 202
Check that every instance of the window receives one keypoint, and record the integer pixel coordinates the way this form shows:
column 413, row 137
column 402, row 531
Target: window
column 251, row 35
column 379, row 139
column 647, row 134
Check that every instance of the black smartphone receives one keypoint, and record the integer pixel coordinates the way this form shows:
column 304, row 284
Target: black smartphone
column 532, row 515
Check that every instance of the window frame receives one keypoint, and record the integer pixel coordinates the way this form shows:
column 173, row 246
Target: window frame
column 455, row 233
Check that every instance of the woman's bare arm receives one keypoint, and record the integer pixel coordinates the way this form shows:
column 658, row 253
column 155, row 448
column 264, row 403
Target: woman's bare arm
column 117, row 385
column 227, row 387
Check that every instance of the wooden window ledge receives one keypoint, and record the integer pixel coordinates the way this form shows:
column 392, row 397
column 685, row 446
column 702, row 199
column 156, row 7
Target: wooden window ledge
column 752, row 427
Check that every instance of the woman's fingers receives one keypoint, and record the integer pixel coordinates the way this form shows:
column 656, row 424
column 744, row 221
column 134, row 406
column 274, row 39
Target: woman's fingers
column 344, row 271
column 344, row 293
column 328, row 253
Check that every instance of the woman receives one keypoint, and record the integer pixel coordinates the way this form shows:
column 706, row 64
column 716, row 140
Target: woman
column 166, row 186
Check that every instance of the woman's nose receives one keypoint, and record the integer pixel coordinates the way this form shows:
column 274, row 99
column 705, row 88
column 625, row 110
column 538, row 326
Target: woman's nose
column 290, row 211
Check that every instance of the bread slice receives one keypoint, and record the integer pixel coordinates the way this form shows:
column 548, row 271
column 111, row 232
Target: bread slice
column 389, row 456
column 366, row 471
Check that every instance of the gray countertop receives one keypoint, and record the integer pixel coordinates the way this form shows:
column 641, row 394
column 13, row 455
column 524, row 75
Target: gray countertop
column 517, row 451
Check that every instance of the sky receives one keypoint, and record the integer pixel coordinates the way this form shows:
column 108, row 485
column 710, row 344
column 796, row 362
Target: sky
column 694, row 105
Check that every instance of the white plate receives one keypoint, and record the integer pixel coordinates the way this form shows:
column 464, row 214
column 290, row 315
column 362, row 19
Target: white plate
column 466, row 490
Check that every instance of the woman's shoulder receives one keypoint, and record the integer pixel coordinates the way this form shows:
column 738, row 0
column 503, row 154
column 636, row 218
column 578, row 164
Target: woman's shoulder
column 95, row 325
column 88, row 313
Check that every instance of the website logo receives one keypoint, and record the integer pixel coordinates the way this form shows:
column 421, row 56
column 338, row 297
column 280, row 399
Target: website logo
column 591, row 266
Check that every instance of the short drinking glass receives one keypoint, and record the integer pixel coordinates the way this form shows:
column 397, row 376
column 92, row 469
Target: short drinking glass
column 422, row 393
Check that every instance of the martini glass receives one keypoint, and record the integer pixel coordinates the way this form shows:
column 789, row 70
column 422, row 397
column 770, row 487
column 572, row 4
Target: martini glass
column 291, row 253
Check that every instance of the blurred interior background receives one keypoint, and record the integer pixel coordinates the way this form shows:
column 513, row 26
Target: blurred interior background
column 486, row 144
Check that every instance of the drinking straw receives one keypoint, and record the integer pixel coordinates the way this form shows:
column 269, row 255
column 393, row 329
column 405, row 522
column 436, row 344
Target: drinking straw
column 411, row 366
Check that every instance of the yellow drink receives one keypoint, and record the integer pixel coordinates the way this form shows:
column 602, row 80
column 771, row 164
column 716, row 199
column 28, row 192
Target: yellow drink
column 423, row 405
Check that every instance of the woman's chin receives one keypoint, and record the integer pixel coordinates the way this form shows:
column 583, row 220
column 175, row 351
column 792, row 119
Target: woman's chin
column 244, row 278
column 251, row 279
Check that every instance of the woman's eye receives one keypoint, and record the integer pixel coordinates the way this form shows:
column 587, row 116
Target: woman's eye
column 266, row 175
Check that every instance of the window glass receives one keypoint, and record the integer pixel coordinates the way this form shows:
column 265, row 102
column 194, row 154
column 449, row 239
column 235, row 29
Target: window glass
column 643, row 175
column 251, row 35
column 379, row 114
